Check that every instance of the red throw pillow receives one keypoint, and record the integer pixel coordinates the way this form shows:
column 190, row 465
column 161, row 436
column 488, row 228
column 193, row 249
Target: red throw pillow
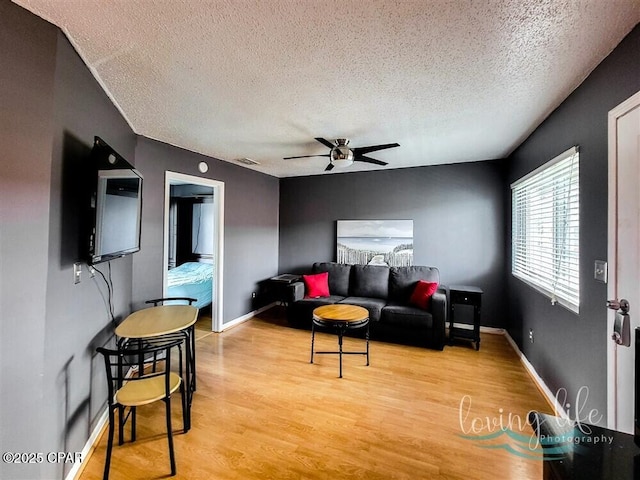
column 317, row 285
column 422, row 293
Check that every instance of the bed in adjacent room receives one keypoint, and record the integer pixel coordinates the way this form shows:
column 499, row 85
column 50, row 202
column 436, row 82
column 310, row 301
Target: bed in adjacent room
column 192, row 279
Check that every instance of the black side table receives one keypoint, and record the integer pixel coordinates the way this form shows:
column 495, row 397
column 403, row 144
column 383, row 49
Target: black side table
column 278, row 287
column 465, row 295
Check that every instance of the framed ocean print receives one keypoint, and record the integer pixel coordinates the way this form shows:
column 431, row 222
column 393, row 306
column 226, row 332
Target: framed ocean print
column 375, row 242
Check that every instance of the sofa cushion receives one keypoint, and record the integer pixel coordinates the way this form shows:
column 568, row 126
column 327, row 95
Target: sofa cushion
column 406, row 316
column 338, row 276
column 373, row 305
column 402, row 281
column 422, row 294
column 317, row 285
column 301, row 312
column 369, row 281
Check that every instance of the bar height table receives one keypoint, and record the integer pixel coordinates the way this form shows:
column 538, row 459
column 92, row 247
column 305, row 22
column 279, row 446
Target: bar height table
column 154, row 322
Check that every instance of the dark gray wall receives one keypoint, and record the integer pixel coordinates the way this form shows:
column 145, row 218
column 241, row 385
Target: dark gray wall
column 457, row 212
column 77, row 319
column 53, row 385
column 53, row 388
column 250, row 224
column 569, row 349
column 52, row 108
column 27, row 56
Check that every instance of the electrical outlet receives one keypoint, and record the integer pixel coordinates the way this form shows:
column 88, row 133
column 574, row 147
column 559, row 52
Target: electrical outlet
column 92, row 271
column 253, row 295
column 77, row 273
column 531, row 335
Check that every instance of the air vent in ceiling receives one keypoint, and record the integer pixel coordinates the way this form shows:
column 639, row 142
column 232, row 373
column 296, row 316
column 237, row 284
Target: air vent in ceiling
column 247, row 161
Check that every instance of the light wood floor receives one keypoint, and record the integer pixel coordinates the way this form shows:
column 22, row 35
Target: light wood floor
column 262, row 411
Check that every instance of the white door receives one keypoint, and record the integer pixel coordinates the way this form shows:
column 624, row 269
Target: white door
column 624, row 257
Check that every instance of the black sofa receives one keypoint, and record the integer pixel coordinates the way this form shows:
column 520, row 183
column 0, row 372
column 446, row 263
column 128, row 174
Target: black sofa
column 385, row 293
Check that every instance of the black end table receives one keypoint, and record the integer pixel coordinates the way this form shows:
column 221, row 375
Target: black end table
column 279, row 287
column 465, row 295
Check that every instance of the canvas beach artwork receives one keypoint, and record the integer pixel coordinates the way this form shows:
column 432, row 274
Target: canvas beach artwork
column 375, row 242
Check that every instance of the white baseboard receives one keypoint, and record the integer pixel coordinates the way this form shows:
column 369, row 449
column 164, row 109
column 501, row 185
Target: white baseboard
column 244, row 318
column 89, row 445
column 550, row 397
column 490, row 330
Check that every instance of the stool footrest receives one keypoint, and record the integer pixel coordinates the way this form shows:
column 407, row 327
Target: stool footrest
column 341, row 353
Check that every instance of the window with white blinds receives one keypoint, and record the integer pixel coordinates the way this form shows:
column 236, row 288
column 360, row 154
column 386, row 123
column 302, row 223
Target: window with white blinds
column 546, row 229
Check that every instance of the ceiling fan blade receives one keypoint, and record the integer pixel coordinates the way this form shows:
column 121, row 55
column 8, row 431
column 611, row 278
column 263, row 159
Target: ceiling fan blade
column 326, row 143
column 329, row 167
column 306, row 156
column 373, row 148
column 362, row 158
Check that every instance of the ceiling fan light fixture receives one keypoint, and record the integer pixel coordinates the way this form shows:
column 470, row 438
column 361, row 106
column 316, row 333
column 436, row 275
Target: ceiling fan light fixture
column 341, row 155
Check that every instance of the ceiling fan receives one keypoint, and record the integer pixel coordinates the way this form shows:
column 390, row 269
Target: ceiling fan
column 342, row 156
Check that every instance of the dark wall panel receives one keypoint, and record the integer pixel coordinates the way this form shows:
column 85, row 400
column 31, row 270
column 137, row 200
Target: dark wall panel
column 457, row 212
column 27, row 56
column 53, row 387
column 570, row 350
column 250, row 227
column 77, row 317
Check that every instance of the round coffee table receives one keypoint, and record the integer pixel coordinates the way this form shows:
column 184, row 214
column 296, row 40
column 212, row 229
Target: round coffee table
column 341, row 317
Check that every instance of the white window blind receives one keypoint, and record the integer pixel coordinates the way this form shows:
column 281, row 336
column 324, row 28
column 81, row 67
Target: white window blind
column 546, row 229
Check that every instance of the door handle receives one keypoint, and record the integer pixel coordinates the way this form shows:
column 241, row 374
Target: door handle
column 616, row 304
column 621, row 325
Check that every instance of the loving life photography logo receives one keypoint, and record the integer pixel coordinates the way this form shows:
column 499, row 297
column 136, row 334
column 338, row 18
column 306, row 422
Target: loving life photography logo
column 516, row 434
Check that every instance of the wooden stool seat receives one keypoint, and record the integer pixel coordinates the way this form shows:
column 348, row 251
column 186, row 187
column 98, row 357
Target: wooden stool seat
column 147, row 390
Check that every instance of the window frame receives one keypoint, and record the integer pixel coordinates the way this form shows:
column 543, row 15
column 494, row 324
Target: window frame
column 555, row 274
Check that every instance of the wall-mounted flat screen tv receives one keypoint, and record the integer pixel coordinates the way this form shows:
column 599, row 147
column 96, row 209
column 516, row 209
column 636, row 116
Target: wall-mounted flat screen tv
column 116, row 206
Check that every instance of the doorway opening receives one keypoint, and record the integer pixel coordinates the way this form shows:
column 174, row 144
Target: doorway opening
column 193, row 241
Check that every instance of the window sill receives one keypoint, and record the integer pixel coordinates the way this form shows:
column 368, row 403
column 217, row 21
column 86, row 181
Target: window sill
column 558, row 301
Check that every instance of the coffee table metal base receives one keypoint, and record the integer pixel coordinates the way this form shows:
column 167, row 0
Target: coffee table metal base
column 341, row 327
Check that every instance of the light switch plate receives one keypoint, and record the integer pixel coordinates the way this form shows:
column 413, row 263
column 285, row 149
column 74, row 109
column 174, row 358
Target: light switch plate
column 600, row 271
column 77, row 272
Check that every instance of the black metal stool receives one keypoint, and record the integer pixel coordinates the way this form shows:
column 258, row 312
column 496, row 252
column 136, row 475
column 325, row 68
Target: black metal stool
column 346, row 317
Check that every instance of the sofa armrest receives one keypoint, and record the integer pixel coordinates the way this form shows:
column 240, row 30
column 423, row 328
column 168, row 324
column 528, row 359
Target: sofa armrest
column 295, row 291
column 439, row 312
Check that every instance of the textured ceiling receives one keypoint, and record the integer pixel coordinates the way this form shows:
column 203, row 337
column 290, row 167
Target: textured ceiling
column 450, row 81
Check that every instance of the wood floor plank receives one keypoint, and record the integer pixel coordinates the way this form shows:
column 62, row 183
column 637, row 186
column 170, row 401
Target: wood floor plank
column 263, row 411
